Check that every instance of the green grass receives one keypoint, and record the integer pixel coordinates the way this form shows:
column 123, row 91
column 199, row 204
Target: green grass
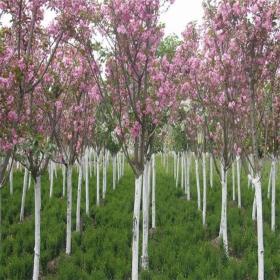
column 179, row 249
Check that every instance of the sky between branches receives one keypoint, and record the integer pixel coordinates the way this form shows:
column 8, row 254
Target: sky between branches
column 175, row 19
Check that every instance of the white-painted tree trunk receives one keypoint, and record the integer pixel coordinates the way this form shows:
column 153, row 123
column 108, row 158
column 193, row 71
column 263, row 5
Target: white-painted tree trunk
column 178, row 170
column 78, row 209
column 174, row 165
column 153, row 192
column 24, row 190
column 69, row 209
column 135, row 230
column 118, row 167
column 188, row 165
column 211, row 171
column 223, row 224
column 29, row 180
column 104, row 174
column 86, row 164
column 233, row 180
column 269, row 183
column 204, row 190
column 97, row 181
column 145, row 206
column 273, row 197
column 114, row 172
column 51, row 178
column 258, row 195
column 11, row 179
column 197, row 184
column 63, row 180
column 238, row 181
column 37, row 197
column 182, row 170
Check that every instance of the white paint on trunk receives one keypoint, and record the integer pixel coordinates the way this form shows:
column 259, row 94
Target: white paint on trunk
column 135, row 230
column 69, row 209
column 86, row 163
column 51, row 178
column 37, row 197
column 64, row 180
column 104, row 173
column 197, row 184
column 238, row 181
column 114, row 172
column 145, row 206
column 269, row 182
column 223, row 224
column 24, row 190
column 78, row 209
column 97, row 181
column 188, row 165
column 258, row 194
column 211, row 171
column 178, row 170
column 153, row 192
column 233, row 180
column 11, row 179
column 182, row 170
column 204, row 190
column 273, row 197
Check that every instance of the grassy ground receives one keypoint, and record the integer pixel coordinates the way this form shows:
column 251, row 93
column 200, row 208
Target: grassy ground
column 179, row 249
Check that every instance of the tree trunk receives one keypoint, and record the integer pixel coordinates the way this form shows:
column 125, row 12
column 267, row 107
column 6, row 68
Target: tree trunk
column 114, row 172
column 97, row 181
column 273, row 179
column 11, row 179
column 188, row 165
column 238, row 181
column 211, row 171
column 86, row 163
column 153, row 192
column 135, row 230
column 258, row 194
column 182, row 170
column 69, row 209
column 177, row 170
column 145, row 206
column 269, row 183
column 204, row 190
column 197, row 184
column 37, row 196
column 51, row 179
column 64, row 180
column 104, row 174
column 24, row 189
column 233, row 181
column 78, row 210
column 223, row 224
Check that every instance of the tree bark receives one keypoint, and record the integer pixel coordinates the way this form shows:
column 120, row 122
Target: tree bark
column 37, row 196
column 86, row 163
column 97, row 181
column 78, row 210
column 238, row 181
column 197, row 184
column 153, row 192
column 135, row 230
column 51, row 178
column 24, row 190
column 223, row 224
column 69, row 209
column 204, row 190
column 11, row 179
column 273, row 179
column 145, row 206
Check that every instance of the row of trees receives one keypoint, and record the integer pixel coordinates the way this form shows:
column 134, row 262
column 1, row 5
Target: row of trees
column 64, row 91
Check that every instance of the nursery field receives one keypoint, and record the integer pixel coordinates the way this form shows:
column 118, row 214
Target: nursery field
column 179, row 248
